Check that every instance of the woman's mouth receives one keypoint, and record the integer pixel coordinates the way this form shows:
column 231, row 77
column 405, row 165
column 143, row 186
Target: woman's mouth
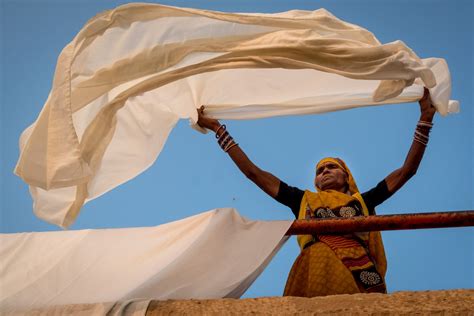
column 326, row 177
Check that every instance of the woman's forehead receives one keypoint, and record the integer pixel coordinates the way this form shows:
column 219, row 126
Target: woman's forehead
column 329, row 163
column 324, row 163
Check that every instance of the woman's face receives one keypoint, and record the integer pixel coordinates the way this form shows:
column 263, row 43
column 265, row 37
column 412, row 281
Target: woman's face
column 329, row 176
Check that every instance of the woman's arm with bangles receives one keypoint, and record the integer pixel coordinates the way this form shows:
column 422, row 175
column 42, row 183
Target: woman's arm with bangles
column 399, row 177
column 263, row 179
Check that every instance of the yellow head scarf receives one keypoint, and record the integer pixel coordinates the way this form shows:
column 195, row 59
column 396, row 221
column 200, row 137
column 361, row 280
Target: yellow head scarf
column 329, row 199
column 351, row 182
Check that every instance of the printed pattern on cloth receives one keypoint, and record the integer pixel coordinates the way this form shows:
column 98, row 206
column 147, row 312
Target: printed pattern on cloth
column 350, row 249
column 352, row 209
column 354, row 256
column 354, row 252
column 318, row 272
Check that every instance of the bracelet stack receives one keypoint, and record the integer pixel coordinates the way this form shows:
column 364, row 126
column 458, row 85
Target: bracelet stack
column 422, row 132
column 224, row 139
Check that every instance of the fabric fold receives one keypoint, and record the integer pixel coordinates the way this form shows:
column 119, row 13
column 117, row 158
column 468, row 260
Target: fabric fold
column 214, row 254
column 131, row 73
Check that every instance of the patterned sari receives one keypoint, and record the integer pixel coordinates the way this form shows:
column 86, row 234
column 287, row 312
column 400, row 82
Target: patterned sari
column 337, row 264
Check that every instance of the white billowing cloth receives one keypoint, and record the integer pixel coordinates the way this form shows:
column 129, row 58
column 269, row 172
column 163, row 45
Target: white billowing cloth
column 215, row 254
column 131, row 73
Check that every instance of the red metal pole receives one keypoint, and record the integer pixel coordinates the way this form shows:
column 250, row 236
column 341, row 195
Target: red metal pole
column 382, row 222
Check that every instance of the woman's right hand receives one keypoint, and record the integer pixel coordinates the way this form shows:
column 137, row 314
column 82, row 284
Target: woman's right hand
column 426, row 107
column 206, row 122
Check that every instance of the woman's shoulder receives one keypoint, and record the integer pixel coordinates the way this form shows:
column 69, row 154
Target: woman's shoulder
column 290, row 196
column 376, row 196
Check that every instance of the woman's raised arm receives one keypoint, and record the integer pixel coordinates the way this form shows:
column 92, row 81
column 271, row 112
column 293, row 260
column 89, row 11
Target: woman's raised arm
column 265, row 180
column 399, row 177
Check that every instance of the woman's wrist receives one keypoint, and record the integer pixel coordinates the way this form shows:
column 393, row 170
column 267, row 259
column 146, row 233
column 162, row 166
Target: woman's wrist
column 427, row 117
column 423, row 128
column 215, row 126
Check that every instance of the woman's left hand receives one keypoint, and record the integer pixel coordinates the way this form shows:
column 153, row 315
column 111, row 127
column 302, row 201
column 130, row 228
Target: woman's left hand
column 206, row 122
column 426, row 107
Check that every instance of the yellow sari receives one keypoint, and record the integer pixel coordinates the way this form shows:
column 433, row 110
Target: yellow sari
column 336, row 264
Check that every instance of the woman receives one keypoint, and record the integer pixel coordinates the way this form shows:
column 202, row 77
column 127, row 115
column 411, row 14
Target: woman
column 333, row 264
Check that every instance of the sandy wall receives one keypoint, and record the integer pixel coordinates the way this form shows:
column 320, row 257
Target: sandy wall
column 454, row 302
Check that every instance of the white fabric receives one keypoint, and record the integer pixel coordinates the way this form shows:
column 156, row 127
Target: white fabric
column 131, row 73
column 215, row 254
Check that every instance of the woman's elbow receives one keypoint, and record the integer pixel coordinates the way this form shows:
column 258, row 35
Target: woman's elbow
column 411, row 172
column 407, row 174
column 252, row 174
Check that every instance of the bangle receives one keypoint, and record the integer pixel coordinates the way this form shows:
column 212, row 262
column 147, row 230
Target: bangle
column 425, row 124
column 422, row 132
column 228, row 144
column 229, row 147
column 222, row 126
column 421, row 135
column 225, row 140
column 420, row 141
column 229, row 140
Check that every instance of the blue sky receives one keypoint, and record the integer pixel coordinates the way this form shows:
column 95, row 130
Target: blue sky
column 193, row 175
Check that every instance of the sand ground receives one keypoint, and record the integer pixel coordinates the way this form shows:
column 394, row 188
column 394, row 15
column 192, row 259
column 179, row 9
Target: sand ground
column 453, row 302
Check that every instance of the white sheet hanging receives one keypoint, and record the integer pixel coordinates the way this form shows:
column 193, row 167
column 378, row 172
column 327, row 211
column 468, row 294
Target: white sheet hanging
column 131, row 73
column 215, row 254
